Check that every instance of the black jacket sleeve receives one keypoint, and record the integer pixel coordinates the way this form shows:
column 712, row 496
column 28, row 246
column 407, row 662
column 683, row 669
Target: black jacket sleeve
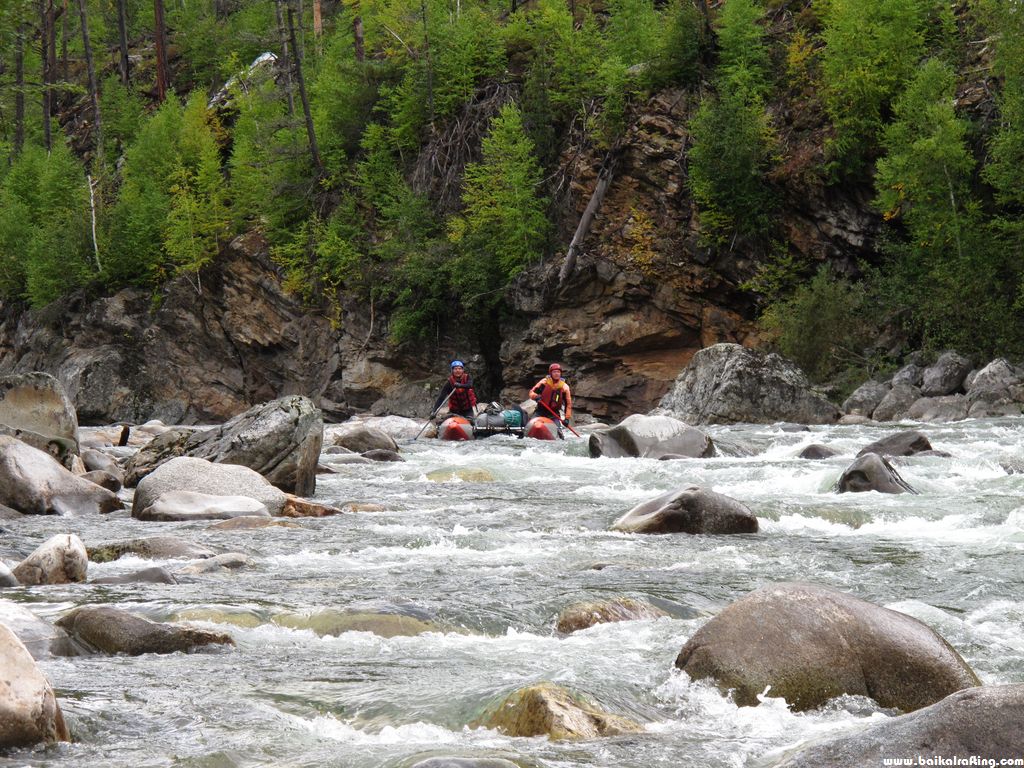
column 445, row 390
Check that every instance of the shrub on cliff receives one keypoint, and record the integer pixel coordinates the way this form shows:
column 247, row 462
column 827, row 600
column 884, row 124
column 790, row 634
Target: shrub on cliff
column 45, row 245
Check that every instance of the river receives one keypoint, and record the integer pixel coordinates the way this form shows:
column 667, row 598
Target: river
column 491, row 564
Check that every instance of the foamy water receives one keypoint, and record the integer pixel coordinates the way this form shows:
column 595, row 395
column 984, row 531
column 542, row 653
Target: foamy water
column 490, row 564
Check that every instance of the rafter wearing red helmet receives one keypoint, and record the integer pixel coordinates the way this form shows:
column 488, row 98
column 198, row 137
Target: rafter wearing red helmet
column 554, row 393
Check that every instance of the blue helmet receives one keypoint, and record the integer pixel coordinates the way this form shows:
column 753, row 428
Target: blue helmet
column 457, row 364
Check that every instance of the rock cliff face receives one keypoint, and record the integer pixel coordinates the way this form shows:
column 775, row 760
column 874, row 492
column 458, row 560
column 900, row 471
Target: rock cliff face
column 644, row 297
column 646, row 294
column 182, row 356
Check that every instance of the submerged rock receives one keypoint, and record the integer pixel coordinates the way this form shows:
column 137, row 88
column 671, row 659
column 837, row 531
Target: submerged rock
column 29, row 713
column 465, row 762
column 650, row 437
column 34, row 483
column 549, row 710
column 153, row 547
column 688, row 510
column 586, row 614
column 61, row 559
column 465, row 474
column 153, row 575
column 981, row 723
column 812, row 643
column 334, row 622
column 112, row 630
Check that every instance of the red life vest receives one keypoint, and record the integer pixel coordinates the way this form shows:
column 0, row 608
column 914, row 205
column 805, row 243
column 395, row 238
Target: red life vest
column 463, row 398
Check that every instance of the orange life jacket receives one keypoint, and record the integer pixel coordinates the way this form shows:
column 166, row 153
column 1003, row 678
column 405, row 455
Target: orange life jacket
column 553, row 394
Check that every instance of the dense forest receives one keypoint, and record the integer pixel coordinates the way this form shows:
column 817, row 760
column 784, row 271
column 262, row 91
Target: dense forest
column 403, row 153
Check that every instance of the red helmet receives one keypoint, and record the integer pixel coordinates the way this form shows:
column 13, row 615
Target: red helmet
column 554, row 367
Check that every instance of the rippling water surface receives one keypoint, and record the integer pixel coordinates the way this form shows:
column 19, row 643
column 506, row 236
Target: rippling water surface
column 492, row 563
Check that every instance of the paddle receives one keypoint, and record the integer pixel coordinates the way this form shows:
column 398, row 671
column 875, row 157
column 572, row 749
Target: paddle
column 431, row 418
column 560, row 421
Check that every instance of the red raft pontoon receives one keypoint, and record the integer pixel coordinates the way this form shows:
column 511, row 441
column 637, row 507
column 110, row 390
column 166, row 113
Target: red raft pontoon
column 487, row 424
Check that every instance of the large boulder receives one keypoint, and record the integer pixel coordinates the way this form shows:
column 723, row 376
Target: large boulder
column 586, row 614
column 688, row 510
column 872, row 472
column 29, row 713
column 61, row 559
column 549, row 710
column 944, row 408
column 35, row 408
column 908, row 375
column 98, row 461
column 896, row 403
column 728, row 384
column 901, row 444
column 112, row 630
column 946, row 375
column 812, row 643
column 998, row 375
column 160, row 449
column 40, row 638
column 980, row 723
column 189, row 505
column 650, row 437
column 359, row 437
column 185, row 473
column 281, row 440
column 150, row 548
column 866, row 398
column 35, row 483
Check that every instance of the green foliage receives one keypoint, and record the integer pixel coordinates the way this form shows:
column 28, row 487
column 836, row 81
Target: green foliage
column 198, row 219
column 821, row 326
column 171, row 213
column 872, row 48
column 678, row 57
column 743, row 55
column 924, row 175
column 44, row 226
column 732, row 149
column 1006, row 147
column 269, row 167
column 503, row 227
column 123, row 114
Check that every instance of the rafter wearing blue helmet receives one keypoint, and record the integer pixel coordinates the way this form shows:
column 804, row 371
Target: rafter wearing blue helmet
column 459, row 387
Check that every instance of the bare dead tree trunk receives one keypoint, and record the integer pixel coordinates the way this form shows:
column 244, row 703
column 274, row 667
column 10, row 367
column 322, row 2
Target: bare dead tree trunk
column 604, row 179
column 318, row 22
column 705, row 12
column 160, row 36
column 122, row 43
column 359, row 38
column 65, row 38
column 314, row 149
column 430, row 64
column 44, row 58
column 19, row 89
column 285, row 59
column 90, row 67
